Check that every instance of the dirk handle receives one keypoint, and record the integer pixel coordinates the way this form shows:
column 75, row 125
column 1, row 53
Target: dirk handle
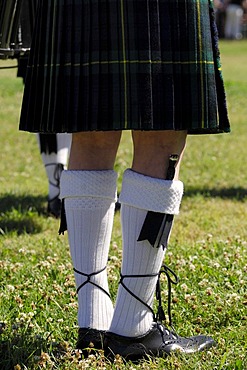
column 154, row 220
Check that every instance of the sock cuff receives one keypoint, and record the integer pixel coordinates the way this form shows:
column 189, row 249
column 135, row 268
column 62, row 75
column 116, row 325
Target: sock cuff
column 150, row 193
column 77, row 184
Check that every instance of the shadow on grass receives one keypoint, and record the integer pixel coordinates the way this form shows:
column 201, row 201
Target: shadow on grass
column 236, row 193
column 30, row 352
column 16, row 352
column 19, row 213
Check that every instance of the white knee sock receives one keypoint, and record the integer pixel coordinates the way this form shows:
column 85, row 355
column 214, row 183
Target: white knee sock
column 139, row 194
column 63, row 148
column 51, row 160
column 89, row 205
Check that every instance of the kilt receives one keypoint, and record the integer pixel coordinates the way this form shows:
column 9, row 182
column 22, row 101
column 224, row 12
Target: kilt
column 124, row 65
column 25, row 31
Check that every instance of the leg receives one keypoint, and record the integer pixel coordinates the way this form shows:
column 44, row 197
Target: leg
column 134, row 329
column 94, row 150
column 150, row 162
column 231, row 16
column 89, row 191
column 152, row 151
column 238, row 23
column 54, row 150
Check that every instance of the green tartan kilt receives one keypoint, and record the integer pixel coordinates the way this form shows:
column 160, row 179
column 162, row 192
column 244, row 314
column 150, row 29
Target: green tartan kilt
column 124, row 65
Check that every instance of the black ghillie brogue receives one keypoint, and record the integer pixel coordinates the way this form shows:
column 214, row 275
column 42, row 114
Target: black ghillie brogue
column 159, row 341
column 90, row 340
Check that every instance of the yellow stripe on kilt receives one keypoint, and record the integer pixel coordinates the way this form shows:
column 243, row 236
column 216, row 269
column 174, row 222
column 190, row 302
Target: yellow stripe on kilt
column 123, row 62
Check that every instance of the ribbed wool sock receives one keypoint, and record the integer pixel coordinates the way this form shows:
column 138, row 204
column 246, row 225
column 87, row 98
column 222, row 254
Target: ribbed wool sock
column 63, row 148
column 55, row 161
column 141, row 194
column 89, row 206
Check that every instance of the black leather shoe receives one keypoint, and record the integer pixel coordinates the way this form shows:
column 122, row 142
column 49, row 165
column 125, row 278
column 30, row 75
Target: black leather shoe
column 90, row 339
column 157, row 342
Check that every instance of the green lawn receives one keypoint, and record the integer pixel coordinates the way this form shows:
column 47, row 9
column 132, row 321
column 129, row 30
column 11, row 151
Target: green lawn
column 207, row 249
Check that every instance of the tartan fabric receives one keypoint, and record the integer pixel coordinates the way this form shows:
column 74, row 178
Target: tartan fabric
column 25, row 32
column 124, row 64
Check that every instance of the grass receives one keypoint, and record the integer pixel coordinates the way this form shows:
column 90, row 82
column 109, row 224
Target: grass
column 207, row 249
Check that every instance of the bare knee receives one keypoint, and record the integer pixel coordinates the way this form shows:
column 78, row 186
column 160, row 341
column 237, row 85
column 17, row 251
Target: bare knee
column 153, row 149
column 94, row 150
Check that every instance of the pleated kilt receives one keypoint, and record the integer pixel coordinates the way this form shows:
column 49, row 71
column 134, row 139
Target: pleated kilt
column 25, row 31
column 124, row 64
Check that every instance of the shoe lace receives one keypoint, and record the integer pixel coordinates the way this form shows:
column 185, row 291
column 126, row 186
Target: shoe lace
column 57, row 173
column 89, row 276
column 172, row 278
